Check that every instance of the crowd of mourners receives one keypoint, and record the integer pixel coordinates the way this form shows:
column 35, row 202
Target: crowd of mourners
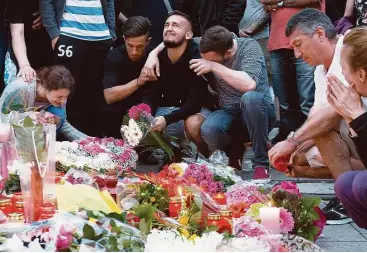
column 218, row 74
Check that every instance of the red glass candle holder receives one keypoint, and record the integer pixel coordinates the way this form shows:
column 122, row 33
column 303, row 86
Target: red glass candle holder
column 17, row 196
column 225, row 221
column 174, row 207
column 281, row 164
column 213, row 220
column 220, row 198
column 18, row 207
column 6, row 206
column 16, row 217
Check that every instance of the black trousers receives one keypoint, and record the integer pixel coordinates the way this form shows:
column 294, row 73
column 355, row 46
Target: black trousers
column 85, row 60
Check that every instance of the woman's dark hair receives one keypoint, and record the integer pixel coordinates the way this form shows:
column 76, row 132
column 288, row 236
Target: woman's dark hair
column 56, row 77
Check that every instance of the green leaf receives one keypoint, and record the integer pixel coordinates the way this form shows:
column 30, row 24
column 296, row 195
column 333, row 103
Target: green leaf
column 88, row 232
column 196, row 218
column 254, row 210
column 120, row 217
column 313, row 215
column 143, row 226
column 28, row 122
column 311, row 232
column 310, row 202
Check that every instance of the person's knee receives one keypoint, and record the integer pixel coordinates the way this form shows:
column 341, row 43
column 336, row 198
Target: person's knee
column 343, row 185
column 193, row 124
column 251, row 98
column 359, row 186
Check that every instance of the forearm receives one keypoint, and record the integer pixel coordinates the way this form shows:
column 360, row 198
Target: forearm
column 259, row 23
column 158, row 49
column 321, row 120
column 239, row 80
column 49, row 18
column 349, row 8
column 118, row 93
column 18, row 44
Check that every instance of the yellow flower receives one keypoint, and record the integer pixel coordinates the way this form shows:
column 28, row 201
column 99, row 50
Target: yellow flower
column 183, row 220
column 152, row 199
column 93, row 220
column 193, row 237
column 176, row 167
column 184, row 232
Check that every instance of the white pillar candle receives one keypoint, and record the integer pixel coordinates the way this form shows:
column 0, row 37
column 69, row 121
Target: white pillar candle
column 270, row 218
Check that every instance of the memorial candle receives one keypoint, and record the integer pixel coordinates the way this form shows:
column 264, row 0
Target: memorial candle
column 270, row 218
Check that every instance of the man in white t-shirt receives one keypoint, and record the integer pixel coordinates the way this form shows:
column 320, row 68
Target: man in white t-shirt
column 314, row 39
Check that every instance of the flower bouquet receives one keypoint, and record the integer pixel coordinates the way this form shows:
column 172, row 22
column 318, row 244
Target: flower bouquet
column 136, row 130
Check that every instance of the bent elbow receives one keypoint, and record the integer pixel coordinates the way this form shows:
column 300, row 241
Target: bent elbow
column 108, row 97
column 252, row 86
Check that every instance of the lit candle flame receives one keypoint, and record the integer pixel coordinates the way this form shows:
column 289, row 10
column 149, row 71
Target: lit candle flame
column 179, row 190
column 270, row 204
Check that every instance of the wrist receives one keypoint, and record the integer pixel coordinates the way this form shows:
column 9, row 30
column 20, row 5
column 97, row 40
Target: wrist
column 358, row 113
column 24, row 65
column 293, row 140
column 139, row 82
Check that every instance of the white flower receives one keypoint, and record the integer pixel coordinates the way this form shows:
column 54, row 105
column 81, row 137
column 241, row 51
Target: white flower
column 128, row 203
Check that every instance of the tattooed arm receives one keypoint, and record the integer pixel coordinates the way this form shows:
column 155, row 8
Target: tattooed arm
column 257, row 25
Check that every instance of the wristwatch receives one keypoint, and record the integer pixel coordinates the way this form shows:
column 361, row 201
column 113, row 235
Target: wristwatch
column 290, row 138
column 281, row 4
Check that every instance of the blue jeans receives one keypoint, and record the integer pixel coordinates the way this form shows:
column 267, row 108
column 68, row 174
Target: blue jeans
column 293, row 82
column 255, row 120
column 351, row 189
column 3, row 48
column 59, row 112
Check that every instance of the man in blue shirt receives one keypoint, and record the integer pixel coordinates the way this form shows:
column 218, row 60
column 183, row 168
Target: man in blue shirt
column 82, row 33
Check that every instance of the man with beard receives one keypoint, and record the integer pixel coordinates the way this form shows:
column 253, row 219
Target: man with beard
column 178, row 93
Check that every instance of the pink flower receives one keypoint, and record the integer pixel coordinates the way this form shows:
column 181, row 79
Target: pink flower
column 286, row 221
column 134, row 113
column 204, row 184
column 288, row 187
column 145, row 108
column 247, row 226
column 63, row 242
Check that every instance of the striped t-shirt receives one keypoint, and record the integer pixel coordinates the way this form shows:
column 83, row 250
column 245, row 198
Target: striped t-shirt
column 84, row 19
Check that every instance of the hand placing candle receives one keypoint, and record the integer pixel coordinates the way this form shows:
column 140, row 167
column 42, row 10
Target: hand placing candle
column 270, row 218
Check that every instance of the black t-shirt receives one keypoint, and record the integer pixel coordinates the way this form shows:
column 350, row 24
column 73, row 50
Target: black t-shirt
column 120, row 70
column 335, row 9
column 39, row 49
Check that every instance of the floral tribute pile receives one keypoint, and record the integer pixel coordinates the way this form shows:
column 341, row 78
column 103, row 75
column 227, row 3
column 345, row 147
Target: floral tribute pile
column 173, row 210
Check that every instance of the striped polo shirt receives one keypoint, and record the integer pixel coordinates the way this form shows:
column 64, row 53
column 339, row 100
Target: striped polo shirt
column 84, row 19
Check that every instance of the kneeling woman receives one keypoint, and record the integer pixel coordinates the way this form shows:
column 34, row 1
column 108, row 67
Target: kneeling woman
column 351, row 187
column 48, row 92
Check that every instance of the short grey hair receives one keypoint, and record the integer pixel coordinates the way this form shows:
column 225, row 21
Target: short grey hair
column 307, row 21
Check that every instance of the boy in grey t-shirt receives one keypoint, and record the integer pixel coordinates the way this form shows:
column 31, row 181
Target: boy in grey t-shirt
column 242, row 85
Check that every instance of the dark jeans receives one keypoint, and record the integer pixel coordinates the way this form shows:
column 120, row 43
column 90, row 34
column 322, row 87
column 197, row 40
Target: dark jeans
column 3, row 48
column 85, row 60
column 256, row 119
column 351, row 189
column 293, row 82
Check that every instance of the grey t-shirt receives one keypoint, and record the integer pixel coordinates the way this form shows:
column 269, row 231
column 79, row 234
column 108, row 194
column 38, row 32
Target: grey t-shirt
column 253, row 10
column 250, row 59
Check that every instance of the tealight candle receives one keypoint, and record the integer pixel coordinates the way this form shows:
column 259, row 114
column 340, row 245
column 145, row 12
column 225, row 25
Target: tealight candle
column 220, row 198
column 270, row 218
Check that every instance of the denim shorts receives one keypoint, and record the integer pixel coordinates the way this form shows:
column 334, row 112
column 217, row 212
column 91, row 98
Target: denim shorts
column 177, row 129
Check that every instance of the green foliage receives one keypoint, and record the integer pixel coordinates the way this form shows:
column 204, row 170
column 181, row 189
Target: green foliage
column 12, row 184
column 227, row 182
column 152, row 194
column 302, row 210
